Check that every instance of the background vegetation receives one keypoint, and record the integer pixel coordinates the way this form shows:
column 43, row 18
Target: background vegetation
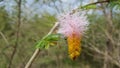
column 24, row 22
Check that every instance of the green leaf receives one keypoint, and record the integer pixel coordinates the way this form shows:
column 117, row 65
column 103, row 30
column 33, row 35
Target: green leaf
column 47, row 46
column 114, row 4
column 41, row 44
column 53, row 37
column 46, row 41
column 86, row 7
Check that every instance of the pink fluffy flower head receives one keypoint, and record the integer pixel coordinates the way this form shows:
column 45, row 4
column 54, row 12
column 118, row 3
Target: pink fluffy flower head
column 72, row 23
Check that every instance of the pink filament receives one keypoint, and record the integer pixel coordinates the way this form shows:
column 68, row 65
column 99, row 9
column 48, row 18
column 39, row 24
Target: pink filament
column 72, row 23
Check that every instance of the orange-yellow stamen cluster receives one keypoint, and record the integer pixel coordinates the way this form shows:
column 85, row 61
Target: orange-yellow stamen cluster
column 74, row 47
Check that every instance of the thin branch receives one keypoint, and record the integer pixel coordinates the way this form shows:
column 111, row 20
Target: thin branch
column 32, row 58
column 99, row 2
column 29, row 63
column 4, row 38
column 17, row 34
column 2, row 51
column 93, row 48
column 105, row 62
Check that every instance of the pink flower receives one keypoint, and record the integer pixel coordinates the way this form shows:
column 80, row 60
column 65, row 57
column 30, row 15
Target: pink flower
column 73, row 27
column 70, row 23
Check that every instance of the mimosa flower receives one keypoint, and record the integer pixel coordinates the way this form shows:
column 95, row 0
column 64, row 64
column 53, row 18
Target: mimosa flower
column 73, row 27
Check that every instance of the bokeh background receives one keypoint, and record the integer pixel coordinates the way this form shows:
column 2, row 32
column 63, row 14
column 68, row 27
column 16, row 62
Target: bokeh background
column 24, row 22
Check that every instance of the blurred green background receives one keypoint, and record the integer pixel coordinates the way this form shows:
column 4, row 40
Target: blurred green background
column 24, row 22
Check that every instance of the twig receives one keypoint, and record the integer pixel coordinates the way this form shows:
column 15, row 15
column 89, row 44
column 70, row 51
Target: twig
column 29, row 63
column 97, row 2
column 4, row 38
column 32, row 58
column 5, row 41
column 17, row 34
column 93, row 48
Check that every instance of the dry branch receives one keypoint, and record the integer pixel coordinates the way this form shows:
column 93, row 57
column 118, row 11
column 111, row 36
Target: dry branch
column 17, row 34
column 29, row 63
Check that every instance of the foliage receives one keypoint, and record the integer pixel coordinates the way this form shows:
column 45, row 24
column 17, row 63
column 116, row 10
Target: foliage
column 87, row 7
column 114, row 4
column 47, row 41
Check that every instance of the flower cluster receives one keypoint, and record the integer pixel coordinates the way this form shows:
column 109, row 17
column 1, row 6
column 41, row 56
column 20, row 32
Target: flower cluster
column 73, row 27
